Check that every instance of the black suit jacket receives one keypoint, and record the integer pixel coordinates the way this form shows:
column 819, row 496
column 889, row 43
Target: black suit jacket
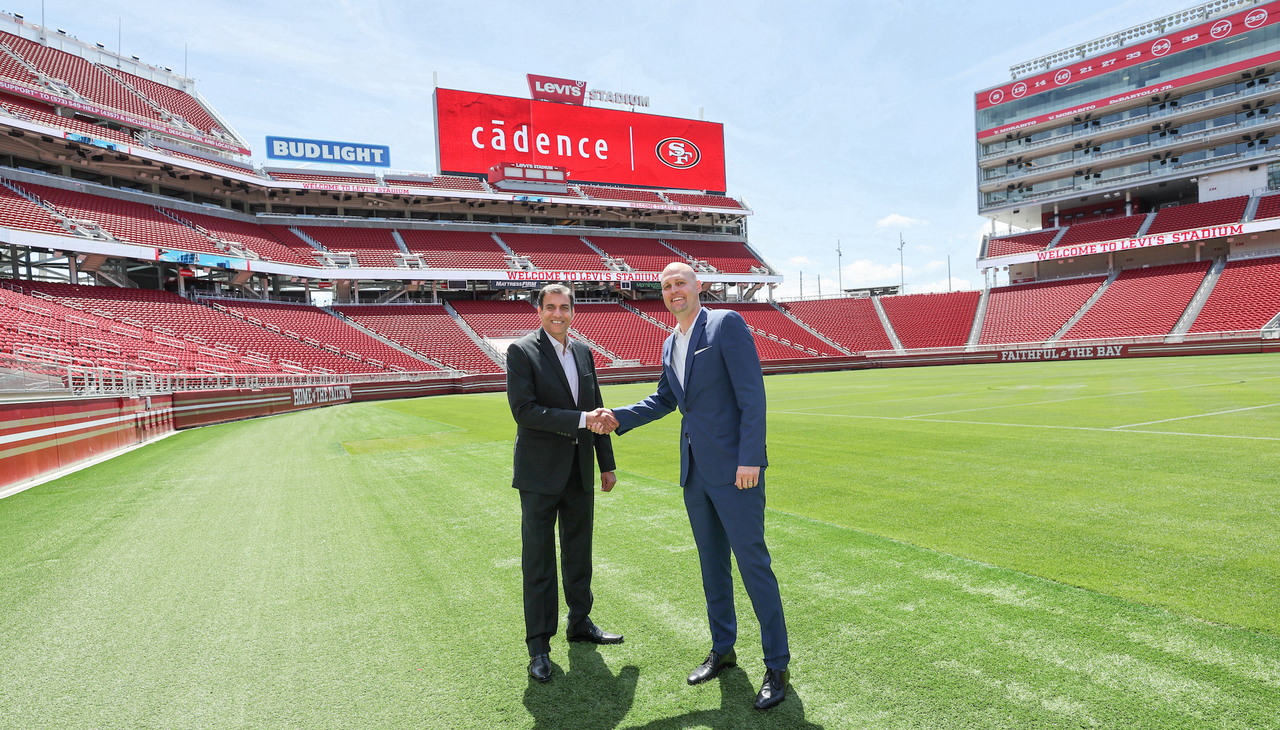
column 547, row 433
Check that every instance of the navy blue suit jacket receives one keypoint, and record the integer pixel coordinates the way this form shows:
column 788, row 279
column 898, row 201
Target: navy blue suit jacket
column 722, row 401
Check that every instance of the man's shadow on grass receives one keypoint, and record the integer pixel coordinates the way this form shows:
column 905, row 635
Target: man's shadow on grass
column 587, row 696
column 737, row 695
column 590, row 697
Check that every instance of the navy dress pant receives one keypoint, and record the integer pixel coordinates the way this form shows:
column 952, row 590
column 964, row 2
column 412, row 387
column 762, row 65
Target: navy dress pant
column 727, row 519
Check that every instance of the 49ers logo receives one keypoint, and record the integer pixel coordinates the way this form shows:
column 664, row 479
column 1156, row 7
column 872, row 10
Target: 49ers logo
column 678, row 152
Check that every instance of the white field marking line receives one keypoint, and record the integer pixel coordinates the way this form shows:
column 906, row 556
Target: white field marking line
column 1200, row 415
column 1027, row 425
column 1089, row 397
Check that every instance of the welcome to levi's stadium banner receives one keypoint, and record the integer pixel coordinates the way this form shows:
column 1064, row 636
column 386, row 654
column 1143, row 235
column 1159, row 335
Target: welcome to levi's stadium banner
column 1129, row 244
column 476, row 131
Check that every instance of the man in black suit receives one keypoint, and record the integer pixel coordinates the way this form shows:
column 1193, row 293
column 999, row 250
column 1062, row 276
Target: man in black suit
column 554, row 398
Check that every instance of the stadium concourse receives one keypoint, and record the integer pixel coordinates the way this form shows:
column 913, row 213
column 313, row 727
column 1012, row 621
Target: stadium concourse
column 144, row 254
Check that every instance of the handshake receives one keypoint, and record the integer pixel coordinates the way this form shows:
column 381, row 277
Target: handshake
column 601, row 420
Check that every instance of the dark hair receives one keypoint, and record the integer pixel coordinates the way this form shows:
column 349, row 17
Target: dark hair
column 555, row 289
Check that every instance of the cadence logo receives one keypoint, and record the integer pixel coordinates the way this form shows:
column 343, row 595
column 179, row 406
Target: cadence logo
column 1062, row 77
column 678, row 152
column 1255, row 19
column 1220, row 28
column 1161, row 47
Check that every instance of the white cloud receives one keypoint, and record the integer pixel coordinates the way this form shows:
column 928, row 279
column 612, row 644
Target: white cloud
column 895, row 220
column 940, row 286
column 798, row 261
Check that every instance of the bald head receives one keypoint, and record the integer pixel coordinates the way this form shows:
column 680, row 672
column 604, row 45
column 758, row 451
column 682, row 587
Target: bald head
column 680, row 292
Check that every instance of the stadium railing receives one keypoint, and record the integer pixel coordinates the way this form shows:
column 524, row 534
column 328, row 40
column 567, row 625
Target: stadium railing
column 1263, row 333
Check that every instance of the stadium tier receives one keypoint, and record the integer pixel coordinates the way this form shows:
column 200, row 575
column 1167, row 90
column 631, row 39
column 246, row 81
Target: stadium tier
column 732, row 258
column 314, row 325
column 853, row 323
column 17, row 211
column 321, row 177
column 621, row 332
column 1199, row 215
column 440, row 182
column 254, row 237
column 1108, row 229
column 641, row 254
column 221, row 342
column 455, row 249
column 710, row 201
column 46, row 114
column 1034, row 241
column 424, row 328
column 371, row 246
column 602, row 193
column 498, row 319
column 932, row 320
column 554, row 252
column 1246, row 297
column 1268, row 207
column 1034, row 312
column 776, row 326
column 1141, row 302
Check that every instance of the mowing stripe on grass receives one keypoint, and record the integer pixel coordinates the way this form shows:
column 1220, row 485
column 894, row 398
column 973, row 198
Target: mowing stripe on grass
column 1200, row 415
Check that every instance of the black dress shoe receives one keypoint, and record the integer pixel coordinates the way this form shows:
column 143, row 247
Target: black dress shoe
column 712, row 666
column 597, row 635
column 774, row 689
column 540, row 668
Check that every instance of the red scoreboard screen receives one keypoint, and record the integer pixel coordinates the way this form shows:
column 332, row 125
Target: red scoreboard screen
column 476, row 131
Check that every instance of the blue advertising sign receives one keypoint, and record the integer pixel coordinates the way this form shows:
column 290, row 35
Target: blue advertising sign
column 319, row 150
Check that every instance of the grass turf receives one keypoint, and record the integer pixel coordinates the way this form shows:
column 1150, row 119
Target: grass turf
column 958, row 547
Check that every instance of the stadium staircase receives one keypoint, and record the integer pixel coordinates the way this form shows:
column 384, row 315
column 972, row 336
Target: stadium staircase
column 613, row 360
column 385, row 340
column 1247, row 296
column 888, row 328
column 400, row 243
column 1252, row 209
column 1188, row 318
column 1146, row 225
column 1061, row 232
column 498, row 358
column 980, row 316
column 646, row 317
column 1084, row 308
column 313, row 243
column 796, row 320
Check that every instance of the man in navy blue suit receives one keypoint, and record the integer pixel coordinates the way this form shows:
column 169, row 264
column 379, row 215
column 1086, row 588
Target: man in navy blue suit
column 711, row 373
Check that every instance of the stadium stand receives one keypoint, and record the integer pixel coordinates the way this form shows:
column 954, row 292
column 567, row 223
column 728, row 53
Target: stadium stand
column 40, row 113
column 254, row 237
column 320, row 177
column 1141, row 302
column 620, row 332
column 87, row 80
column 706, row 201
column 498, row 319
column 455, row 249
column 602, row 193
column 225, row 165
column 851, row 322
column 641, row 254
column 1268, row 207
column 1199, row 215
column 765, row 317
column 655, row 308
column 372, row 246
column 733, row 258
column 554, row 252
column 326, row 329
column 769, row 349
column 139, row 224
column 224, row 341
column 932, row 320
column 1246, row 297
column 18, row 212
column 175, row 101
column 439, row 182
column 1034, row 312
column 427, row 329
column 1021, row 243
column 1109, row 229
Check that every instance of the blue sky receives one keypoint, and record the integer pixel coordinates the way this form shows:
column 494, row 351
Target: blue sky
column 843, row 121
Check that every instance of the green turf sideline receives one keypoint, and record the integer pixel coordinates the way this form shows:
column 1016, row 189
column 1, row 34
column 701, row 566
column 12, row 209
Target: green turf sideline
column 357, row 566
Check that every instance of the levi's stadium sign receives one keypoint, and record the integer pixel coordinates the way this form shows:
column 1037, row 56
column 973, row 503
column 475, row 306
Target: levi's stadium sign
column 550, row 88
column 476, row 131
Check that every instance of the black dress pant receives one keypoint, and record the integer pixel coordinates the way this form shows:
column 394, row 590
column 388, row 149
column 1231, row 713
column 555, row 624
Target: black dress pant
column 574, row 508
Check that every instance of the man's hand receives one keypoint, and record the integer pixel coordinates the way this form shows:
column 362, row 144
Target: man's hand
column 607, row 480
column 601, row 420
column 748, row 476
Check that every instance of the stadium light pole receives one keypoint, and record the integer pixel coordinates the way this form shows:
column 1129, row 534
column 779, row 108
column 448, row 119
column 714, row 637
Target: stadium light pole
column 902, row 270
column 839, row 273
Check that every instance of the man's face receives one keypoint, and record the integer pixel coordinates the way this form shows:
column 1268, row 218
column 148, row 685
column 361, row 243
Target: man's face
column 679, row 292
column 557, row 314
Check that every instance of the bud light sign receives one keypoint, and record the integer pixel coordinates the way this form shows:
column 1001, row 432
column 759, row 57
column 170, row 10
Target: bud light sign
column 319, row 150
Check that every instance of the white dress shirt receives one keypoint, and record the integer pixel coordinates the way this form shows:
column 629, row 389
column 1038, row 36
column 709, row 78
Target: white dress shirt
column 570, row 366
column 679, row 350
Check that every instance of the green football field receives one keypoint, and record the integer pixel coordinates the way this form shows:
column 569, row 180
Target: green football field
column 1038, row 545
